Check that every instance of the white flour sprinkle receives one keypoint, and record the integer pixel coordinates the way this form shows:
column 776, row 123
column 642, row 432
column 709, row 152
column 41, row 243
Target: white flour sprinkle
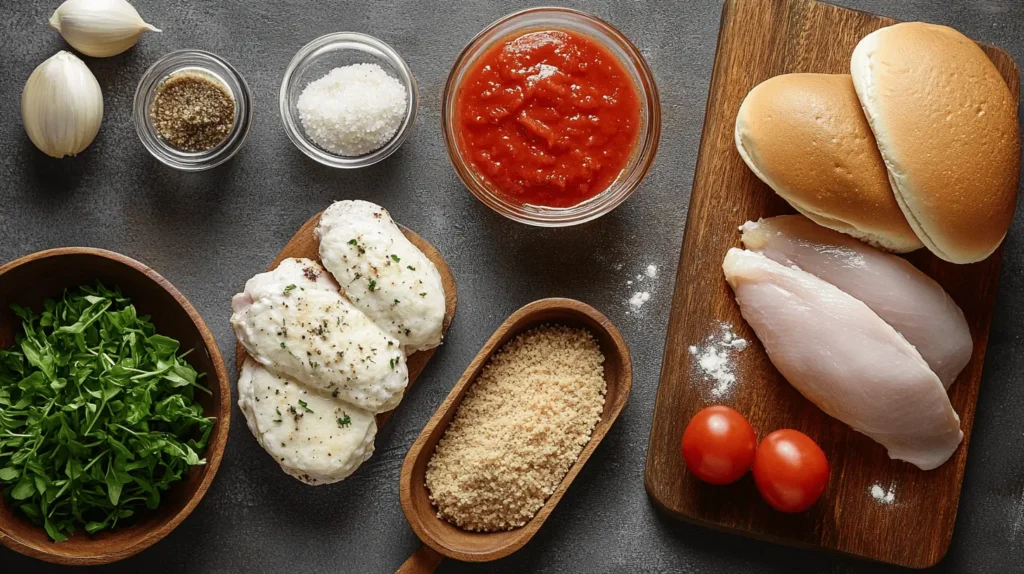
column 714, row 358
column 638, row 299
column 883, row 496
column 641, row 296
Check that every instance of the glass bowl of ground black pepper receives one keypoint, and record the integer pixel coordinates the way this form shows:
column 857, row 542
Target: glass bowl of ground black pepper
column 192, row 110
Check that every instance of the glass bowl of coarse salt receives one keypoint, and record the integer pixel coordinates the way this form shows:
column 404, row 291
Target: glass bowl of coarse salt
column 348, row 100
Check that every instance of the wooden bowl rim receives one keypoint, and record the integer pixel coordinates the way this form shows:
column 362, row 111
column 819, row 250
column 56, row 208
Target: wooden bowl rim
column 214, row 451
column 452, row 401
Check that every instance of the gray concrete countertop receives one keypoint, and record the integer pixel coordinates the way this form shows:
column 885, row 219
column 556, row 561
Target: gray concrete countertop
column 209, row 232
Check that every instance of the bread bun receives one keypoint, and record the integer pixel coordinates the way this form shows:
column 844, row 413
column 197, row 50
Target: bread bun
column 947, row 129
column 806, row 137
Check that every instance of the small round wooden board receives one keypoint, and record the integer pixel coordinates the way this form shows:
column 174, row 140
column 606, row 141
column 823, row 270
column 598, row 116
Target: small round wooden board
column 305, row 244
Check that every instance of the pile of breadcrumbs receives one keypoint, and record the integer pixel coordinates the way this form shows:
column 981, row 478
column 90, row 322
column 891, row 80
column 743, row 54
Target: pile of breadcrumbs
column 518, row 430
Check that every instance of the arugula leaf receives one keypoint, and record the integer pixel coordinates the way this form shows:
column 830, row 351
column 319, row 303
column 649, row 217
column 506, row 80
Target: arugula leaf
column 98, row 416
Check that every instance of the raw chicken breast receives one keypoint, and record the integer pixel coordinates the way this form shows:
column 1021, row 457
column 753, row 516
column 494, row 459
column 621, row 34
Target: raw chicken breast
column 382, row 273
column 904, row 297
column 294, row 321
column 317, row 440
column 845, row 359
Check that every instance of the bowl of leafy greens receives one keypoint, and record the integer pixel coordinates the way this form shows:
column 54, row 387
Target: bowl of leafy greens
column 114, row 406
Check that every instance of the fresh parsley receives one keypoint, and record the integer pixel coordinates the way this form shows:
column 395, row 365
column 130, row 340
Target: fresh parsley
column 289, row 288
column 373, row 285
column 344, row 421
column 395, row 258
column 98, row 415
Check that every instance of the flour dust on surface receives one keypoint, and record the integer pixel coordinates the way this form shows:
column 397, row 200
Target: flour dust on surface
column 644, row 287
column 715, row 358
column 882, row 495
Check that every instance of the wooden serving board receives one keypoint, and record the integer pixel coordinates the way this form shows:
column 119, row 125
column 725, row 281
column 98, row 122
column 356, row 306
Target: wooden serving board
column 305, row 244
column 760, row 39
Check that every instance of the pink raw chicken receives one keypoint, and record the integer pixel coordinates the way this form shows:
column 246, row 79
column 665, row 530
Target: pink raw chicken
column 904, row 297
column 845, row 359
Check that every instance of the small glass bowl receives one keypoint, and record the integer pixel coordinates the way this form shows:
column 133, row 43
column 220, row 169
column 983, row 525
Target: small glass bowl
column 322, row 55
column 629, row 56
column 212, row 66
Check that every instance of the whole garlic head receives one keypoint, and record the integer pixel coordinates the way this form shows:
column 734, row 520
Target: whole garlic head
column 62, row 105
column 99, row 28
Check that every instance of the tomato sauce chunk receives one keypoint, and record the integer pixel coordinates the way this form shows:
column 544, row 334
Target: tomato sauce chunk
column 548, row 118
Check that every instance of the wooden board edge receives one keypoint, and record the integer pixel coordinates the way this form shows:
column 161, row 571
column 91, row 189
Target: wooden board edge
column 656, row 495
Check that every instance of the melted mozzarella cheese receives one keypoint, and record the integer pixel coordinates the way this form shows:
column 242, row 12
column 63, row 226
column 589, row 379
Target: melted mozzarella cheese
column 317, row 440
column 382, row 273
column 298, row 325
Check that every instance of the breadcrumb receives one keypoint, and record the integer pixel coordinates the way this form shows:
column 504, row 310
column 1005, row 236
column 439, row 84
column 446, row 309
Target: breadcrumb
column 520, row 427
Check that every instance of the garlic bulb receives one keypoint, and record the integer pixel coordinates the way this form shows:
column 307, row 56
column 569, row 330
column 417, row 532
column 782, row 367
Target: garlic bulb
column 99, row 28
column 62, row 105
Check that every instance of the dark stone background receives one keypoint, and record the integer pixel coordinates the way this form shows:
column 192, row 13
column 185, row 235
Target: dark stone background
column 209, row 232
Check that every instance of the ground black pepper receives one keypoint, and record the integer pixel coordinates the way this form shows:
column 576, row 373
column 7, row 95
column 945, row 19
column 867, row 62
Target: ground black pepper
column 192, row 112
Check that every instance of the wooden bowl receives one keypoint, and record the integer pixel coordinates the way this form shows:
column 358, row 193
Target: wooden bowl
column 30, row 280
column 442, row 538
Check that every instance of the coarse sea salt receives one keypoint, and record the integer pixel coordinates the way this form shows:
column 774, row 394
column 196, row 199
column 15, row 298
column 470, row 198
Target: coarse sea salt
column 715, row 358
column 353, row 110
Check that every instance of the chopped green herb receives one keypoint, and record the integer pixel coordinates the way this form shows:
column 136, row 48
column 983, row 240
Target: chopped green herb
column 353, row 242
column 393, row 362
column 345, row 421
column 423, row 294
column 373, row 285
column 304, row 406
column 282, row 344
column 410, row 267
column 289, row 288
column 98, row 416
column 395, row 258
column 395, row 303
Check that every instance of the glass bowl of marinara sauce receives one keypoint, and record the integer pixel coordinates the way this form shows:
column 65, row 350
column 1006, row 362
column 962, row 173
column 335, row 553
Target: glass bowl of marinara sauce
column 551, row 117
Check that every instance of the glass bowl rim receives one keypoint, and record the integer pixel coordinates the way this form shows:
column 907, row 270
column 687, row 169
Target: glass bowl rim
column 303, row 58
column 150, row 81
column 620, row 190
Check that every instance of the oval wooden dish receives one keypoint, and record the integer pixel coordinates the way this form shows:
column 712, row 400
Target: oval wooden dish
column 34, row 278
column 442, row 539
column 305, row 245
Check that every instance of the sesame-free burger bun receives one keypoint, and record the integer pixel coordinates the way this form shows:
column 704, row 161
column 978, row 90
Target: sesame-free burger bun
column 806, row 137
column 946, row 125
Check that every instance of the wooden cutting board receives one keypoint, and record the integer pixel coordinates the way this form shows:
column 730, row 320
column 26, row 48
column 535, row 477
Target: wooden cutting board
column 305, row 244
column 760, row 39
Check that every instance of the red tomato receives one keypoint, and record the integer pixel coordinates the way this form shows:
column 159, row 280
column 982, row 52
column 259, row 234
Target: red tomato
column 718, row 445
column 790, row 470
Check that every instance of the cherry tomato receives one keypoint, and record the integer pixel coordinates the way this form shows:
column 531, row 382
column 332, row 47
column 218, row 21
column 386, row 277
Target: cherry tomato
column 719, row 445
column 790, row 470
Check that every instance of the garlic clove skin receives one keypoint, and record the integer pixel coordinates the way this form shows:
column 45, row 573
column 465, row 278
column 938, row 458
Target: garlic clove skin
column 62, row 106
column 99, row 28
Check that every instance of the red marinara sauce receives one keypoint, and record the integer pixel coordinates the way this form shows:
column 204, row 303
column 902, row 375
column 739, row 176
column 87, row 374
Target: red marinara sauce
column 548, row 118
